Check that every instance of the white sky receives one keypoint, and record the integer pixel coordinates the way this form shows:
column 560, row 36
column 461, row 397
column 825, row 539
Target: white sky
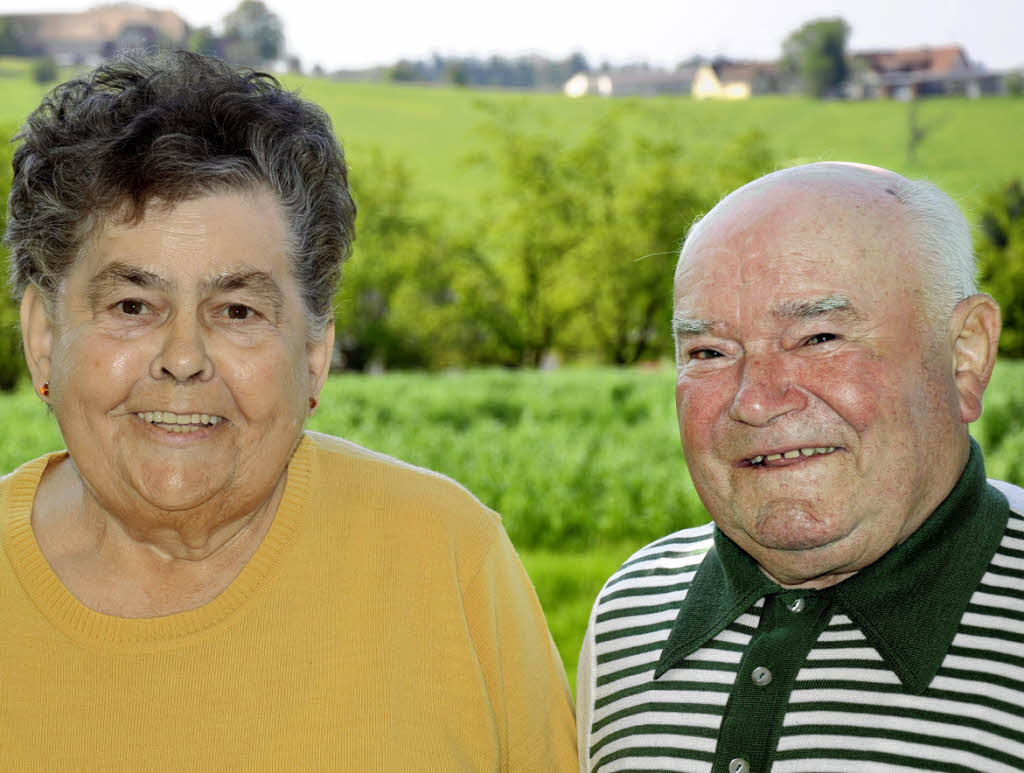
column 361, row 33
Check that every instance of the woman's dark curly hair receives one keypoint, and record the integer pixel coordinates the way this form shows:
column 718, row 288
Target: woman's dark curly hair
column 173, row 127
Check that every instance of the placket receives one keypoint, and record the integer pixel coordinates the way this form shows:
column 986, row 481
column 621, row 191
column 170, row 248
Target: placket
column 790, row 624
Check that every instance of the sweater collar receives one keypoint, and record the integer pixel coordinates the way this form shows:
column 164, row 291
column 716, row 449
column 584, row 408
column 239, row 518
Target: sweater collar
column 923, row 584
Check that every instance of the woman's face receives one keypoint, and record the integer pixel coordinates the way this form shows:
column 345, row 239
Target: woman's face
column 177, row 358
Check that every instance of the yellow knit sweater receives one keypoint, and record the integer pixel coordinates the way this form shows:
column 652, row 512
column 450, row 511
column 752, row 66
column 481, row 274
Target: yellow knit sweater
column 385, row 624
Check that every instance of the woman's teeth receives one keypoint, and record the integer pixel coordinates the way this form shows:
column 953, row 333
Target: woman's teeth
column 179, row 422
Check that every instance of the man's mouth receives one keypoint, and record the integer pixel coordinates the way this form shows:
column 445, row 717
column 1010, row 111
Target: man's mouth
column 180, row 422
column 786, row 457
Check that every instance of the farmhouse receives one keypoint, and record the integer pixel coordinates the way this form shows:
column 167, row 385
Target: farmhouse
column 918, row 72
column 630, row 82
column 725, row 79
column 91, row 37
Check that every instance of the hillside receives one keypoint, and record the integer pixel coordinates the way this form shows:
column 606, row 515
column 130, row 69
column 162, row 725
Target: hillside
column 971, row 145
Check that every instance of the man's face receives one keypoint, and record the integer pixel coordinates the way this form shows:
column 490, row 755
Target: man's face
column 818, row 414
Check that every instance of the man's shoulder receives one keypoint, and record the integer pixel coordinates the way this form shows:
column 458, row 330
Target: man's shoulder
column 1014, row 495
column 666, row 565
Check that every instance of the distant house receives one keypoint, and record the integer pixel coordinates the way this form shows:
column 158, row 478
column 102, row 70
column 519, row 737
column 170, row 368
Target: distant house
column 91, row 37
column 630, row 82
column 726, row 79
column 918, row 72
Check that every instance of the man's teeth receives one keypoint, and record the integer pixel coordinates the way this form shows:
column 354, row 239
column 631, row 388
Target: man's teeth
column 792, row 454
column 180, row 422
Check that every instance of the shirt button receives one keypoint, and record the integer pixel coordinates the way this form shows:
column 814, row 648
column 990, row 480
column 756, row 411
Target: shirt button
column 761, row 676
column 798, row 606
column 739, row 765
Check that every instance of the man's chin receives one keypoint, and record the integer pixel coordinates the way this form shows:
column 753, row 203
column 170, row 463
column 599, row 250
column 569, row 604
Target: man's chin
column 796, row 525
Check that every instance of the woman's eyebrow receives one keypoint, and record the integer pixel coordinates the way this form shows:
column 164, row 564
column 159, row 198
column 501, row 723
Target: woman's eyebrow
column 117, row 273
column 260, row 283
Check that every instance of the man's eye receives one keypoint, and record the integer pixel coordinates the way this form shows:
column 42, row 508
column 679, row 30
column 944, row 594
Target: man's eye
column 704, row 354
column 821, row 338
column 131, row 307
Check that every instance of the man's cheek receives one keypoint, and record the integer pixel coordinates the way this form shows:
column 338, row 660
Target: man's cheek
column 857, row 390
column 700, row 405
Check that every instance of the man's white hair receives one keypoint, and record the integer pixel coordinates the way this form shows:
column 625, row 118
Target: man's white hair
column 945, row 248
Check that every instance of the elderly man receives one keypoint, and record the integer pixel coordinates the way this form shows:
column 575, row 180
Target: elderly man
column 858, row 602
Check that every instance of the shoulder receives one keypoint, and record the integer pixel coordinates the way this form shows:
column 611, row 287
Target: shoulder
column 657, row 573
column 1014, row 495
column 27, row 476
column 678, row 553
column 369, row 469
column 386, row 499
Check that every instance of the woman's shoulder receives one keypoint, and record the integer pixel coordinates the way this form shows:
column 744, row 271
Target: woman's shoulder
column 386, row 482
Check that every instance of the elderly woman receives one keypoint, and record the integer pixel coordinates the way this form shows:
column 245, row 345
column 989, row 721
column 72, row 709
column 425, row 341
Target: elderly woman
column 196, row 583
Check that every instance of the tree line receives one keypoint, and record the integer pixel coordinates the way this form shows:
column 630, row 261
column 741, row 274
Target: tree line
column 568, row 255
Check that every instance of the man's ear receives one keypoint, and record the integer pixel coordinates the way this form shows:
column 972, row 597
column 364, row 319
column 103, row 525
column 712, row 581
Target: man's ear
column 319, row 354
column 974, row 329
column 36, row 336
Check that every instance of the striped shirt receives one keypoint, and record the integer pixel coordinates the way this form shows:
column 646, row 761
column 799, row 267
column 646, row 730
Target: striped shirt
column 695, row 661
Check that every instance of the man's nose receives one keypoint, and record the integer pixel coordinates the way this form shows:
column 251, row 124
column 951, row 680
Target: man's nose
column 183, row 353
column 766, row 391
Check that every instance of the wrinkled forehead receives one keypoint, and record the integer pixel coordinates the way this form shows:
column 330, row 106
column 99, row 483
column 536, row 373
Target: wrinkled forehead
column 838, row 230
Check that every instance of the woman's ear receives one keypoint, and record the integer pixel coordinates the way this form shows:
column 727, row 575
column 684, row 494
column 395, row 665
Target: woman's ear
column 974, row 328
column 36, row 336
column 319, row 354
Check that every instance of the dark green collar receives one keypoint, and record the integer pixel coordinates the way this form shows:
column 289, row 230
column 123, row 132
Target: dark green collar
column 908, row 603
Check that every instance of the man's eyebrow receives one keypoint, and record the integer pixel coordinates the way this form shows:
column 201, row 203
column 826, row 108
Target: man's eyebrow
column 683, row 326
column 117, row 273
column 816, row 307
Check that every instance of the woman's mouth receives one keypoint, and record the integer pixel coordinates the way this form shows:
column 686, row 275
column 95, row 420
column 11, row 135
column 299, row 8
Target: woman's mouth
column 180, row 422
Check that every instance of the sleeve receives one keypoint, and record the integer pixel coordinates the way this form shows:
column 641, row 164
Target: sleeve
column 585, row 696
column 524, row 674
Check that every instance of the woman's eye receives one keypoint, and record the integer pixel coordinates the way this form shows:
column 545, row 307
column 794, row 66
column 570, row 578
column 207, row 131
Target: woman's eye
column 238, row 311
column 131, row 307
column 821, row 338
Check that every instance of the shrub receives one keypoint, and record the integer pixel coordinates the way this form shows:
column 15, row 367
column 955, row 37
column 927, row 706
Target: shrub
column 1000, row 249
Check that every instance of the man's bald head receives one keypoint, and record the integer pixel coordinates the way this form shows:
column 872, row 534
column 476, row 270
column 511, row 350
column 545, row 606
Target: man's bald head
column 929, row 219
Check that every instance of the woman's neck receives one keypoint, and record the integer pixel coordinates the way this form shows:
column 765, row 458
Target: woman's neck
column 143, row 564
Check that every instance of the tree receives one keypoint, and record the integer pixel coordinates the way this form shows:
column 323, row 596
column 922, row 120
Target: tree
column 815, row 55
column 256, row 32
column 580, row 240
column 203, row 41
column 12, row 362
column 1000, row 251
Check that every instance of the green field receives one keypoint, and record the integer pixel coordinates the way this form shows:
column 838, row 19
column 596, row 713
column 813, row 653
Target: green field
column 971, row 146
column 583, row 463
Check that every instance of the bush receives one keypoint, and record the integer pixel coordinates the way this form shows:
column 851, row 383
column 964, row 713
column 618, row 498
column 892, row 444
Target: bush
column 1000, row 250
column 12, row 362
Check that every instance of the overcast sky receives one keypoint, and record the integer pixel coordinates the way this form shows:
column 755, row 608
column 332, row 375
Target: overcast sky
column 350, row 34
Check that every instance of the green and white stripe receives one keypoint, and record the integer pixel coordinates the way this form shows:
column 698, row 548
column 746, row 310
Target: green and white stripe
column 847, row 710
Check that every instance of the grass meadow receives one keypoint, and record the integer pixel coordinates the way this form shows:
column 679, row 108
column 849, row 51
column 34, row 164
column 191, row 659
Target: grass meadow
column 583, row 463
column 970, row 145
